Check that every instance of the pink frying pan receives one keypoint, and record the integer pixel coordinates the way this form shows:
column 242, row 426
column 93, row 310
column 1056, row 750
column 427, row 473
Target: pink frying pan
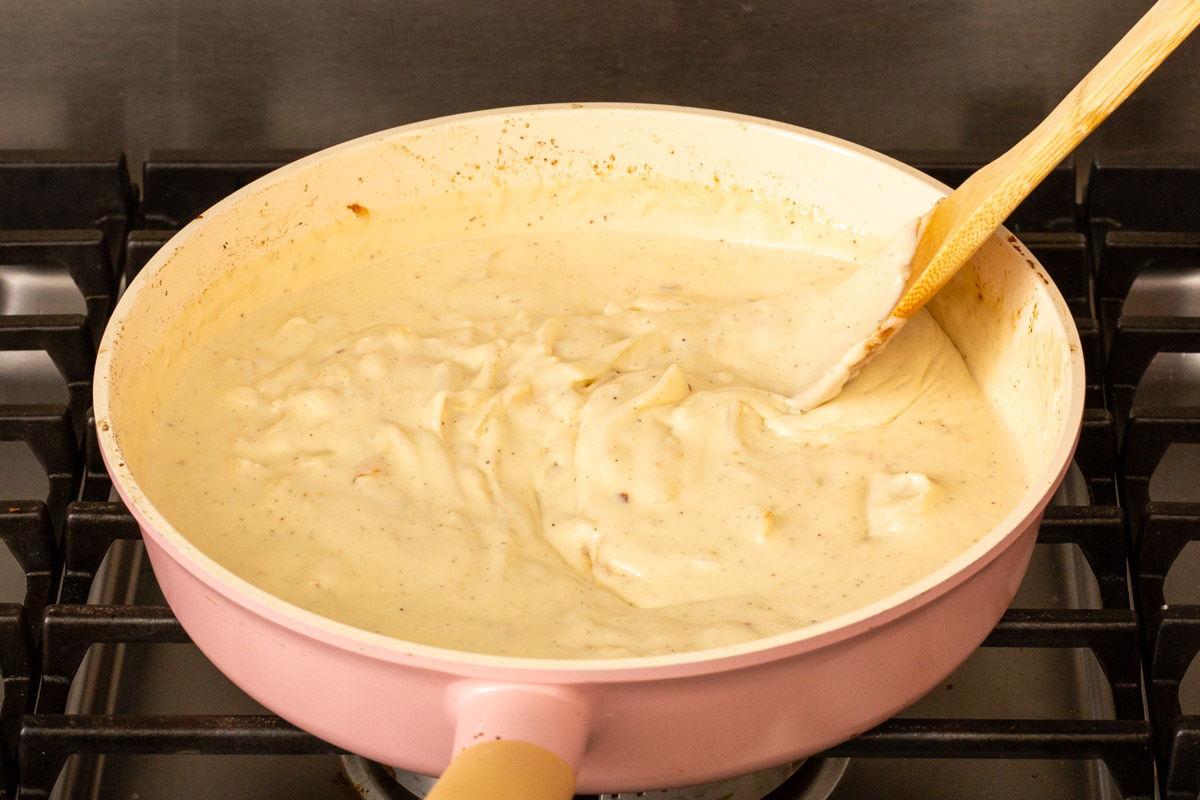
column 586, row 725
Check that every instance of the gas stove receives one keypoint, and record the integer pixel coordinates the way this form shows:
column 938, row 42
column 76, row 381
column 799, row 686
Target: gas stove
column 1082, row 690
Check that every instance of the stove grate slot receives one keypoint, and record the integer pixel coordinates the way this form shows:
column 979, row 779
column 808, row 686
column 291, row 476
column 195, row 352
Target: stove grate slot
column 1096, row 456
column 1147, row 270
column 96, row 482
column 1136, row 342
column 1171, row 642
column 26, row 531
column 1151, row 432
column 68, row 189
column 140, row 246
column 1152, row 192
column 16, row 671
column 41, row 271
column 1099, row 532
column 1091, row 340
column 69, row 630
column 1182, row 782
column 1123, row 745
column 1111, row 635
column 47, row 431
column 1175, row 647
column 179, row 185
column 47, row 740
column 66, row 339
column 91, row 528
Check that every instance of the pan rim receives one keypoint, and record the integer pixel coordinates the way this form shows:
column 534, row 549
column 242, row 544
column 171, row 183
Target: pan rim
column 562, row 670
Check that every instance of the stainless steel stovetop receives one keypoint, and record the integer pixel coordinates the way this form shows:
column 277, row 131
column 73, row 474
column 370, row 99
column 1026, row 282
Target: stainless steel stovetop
column 1052, row 706
column 1088, row 680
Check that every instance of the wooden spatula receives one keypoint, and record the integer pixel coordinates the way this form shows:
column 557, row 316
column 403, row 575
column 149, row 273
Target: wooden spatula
column 960, row 223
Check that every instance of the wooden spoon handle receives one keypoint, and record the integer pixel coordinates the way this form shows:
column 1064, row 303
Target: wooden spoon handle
column 961, row 222
column 505, row 769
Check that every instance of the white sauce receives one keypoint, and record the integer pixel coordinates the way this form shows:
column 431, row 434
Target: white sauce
column 577, row 445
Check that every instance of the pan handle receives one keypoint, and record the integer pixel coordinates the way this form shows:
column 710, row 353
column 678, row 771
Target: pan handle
column 505, row 769
column 514, row 741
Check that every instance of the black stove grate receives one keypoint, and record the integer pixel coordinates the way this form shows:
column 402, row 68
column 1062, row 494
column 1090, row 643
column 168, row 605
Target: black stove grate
column 1146, row 226
column 1138, row 216
column 88, row 192
column 69, row 629
column 49, row 434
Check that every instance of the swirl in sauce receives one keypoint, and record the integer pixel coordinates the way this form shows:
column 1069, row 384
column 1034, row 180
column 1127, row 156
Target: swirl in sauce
column 576, row 446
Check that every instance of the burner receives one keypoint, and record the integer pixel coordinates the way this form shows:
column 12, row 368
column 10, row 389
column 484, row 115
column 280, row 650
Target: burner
column 811, row 779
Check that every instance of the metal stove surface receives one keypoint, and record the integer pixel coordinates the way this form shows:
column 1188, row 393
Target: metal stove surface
column 1086, row 680
column 1051, row 706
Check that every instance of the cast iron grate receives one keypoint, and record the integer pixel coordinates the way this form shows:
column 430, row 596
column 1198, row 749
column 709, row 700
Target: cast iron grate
column 1127, row 203
column 1143, row 192
column 49, row 737
column 63, row 220
column 47, row 431
column 179, row 185
column 28, row 533
column 81, row 255
column 67, row 190
column 1146, row 225
column 17, row 672
column 1171, row 640
column 1135, row 340
column 1123, row 745
column 66, row 339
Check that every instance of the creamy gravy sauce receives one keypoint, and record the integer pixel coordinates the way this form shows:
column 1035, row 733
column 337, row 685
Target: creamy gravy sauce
column 575, row 445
